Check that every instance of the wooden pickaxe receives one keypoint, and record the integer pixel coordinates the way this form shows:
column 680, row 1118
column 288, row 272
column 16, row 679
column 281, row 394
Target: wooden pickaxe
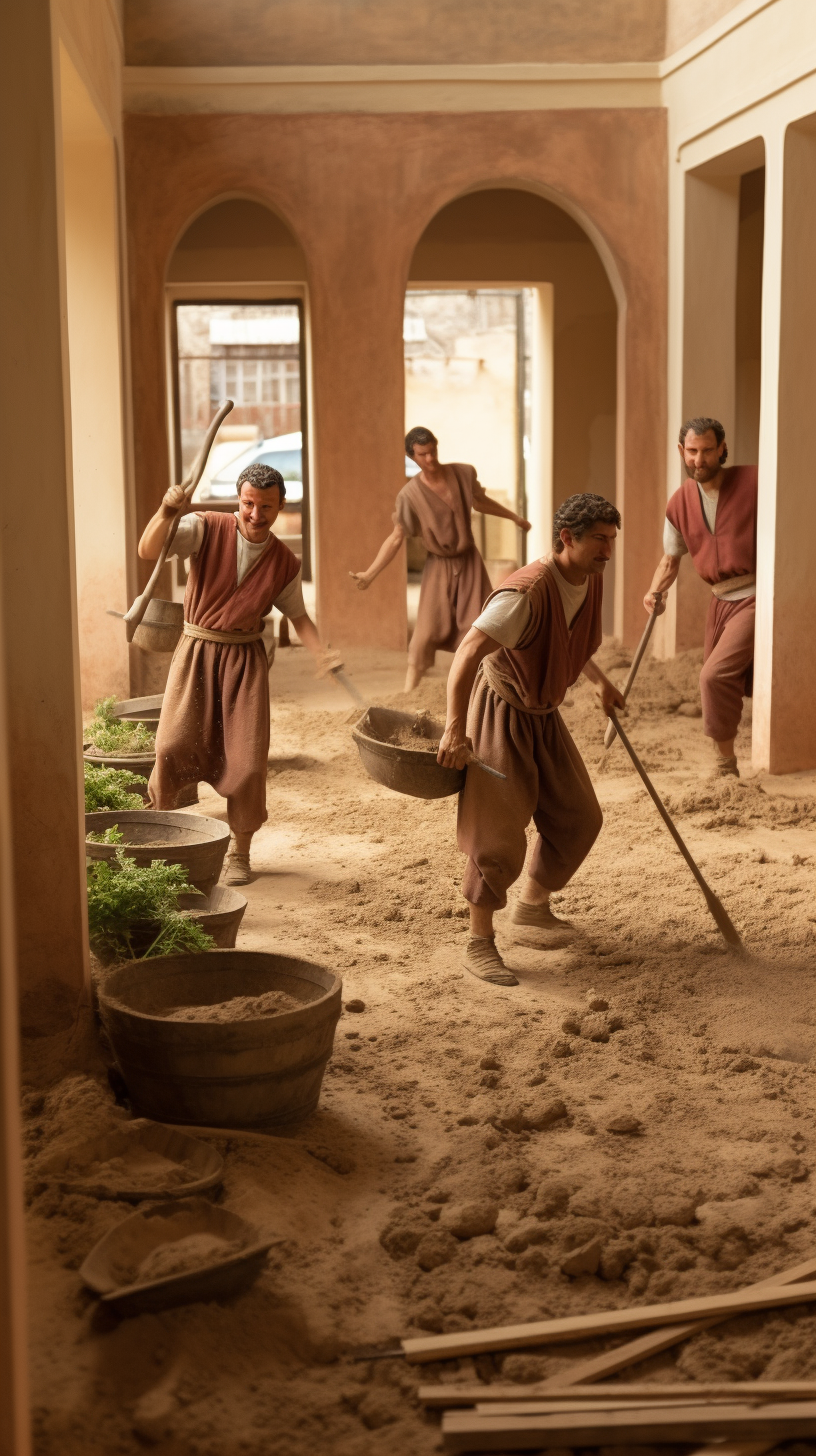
column 133, row 617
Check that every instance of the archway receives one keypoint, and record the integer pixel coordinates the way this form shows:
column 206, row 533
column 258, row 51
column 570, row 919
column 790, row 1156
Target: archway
column 512, row 239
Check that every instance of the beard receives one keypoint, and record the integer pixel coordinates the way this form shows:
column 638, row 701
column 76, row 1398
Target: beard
column 703, row 473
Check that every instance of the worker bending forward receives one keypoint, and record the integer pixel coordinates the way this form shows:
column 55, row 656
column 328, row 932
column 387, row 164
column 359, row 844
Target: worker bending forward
column 436, row 505
column 713, row 517
column 214, row 723
column 534, row 638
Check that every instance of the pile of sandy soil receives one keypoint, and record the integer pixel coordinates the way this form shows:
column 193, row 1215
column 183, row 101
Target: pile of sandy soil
column 135, row 1167
column 633, row 1122
column 182, row 1256
column 238, row 1008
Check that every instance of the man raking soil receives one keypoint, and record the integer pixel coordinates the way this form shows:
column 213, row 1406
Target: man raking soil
column 533, row 639
column 713, row 517
column 214, row 723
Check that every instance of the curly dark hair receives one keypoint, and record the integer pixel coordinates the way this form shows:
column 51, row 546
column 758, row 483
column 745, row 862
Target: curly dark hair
column 261, row 477
column 579, row 512
column 418, row 436
column 700, row 425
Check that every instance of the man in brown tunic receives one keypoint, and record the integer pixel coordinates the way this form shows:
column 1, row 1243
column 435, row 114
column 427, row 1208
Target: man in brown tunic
column 534, row 638
column 713, row 517
column 214, row 723
column 436, row 505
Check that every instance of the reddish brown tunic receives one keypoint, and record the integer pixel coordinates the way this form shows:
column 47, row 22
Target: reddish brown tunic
column 454, row 581
column 214, row 723
column 515, row 727
column 729, row 550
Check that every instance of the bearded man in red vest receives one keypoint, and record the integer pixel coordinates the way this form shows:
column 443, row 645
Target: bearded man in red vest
column 713, row 518
column 214, row 723
column 531, row 642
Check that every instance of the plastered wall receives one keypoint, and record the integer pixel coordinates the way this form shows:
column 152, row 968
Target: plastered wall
column 358, row 191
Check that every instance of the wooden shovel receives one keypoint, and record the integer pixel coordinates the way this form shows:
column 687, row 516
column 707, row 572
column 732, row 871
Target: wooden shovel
column 609, row 735
column 133, row 617
column 717, row 909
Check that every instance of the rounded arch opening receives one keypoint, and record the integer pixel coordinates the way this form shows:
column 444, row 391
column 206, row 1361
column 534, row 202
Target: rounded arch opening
column 559, row 368
column 237, row 240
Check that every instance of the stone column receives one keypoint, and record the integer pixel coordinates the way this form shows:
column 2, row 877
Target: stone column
column 784, row 734
column 37, row 588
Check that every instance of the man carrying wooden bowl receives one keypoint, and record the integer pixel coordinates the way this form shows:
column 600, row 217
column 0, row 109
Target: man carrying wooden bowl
column 214, row 723
column 533, row 639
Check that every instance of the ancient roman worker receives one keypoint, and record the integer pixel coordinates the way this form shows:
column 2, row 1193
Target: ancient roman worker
column 532, row 641
column 436, row 505
column 214, row 723
column 713, row 518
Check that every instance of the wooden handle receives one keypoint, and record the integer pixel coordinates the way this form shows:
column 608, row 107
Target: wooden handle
column 134, row 616
column 636, row 661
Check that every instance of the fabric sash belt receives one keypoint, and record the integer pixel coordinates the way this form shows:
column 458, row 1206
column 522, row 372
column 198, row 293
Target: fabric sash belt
column 505, row 690
column 208, row 634
column 733, row 583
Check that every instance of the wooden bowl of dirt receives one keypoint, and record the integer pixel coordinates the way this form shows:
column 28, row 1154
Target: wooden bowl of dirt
column 146, row 711
column 138, row 1160
column 399, row 750
column 220, row 913
column 222, row 1038
column 174, row 1253
column 193, row 840
column 161, row 626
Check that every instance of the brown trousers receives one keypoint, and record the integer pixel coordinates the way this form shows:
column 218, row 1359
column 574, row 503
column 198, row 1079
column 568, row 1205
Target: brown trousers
column 546, row 782
column 214, row 726
column 726, row 677
column 451, row 596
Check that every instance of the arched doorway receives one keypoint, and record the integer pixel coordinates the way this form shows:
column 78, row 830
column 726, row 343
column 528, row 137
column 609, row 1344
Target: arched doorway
column 552, row 293
column 237, row 324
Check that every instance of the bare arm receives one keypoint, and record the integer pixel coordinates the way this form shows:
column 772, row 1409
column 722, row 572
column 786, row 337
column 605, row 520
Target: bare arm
column 454, row 747
column 663, row 578
column 490, row 507
column 308, row 634
column 156, row 529
column 384, row 557
column 610, row 696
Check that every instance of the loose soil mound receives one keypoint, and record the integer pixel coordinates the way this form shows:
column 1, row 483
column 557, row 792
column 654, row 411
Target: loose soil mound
column 239, row 1008
column 632, row 1122
column 183, row 1256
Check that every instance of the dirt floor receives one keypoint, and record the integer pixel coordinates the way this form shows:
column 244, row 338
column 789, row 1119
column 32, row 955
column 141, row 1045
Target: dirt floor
column 480, row 1155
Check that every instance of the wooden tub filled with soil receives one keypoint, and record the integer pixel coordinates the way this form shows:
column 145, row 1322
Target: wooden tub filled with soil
column 219, row 914
column 223, row 1038
column 193, row 840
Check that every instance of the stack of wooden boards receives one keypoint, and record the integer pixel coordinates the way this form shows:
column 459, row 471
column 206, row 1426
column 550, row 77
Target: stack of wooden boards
column 571, row 1410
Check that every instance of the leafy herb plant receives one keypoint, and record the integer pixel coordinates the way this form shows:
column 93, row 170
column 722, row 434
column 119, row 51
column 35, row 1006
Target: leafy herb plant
column 111, row 735
column 110, row 788
column 133, row 910
column 111, row 835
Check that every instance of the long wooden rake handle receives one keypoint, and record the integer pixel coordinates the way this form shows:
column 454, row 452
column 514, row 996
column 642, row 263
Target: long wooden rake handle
column 724, row 923
column 609, row 735
column 134, row 616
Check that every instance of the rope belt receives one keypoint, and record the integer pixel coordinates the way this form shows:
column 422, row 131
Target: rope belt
column 208, row 634
column 505, row 690
column 734, row 583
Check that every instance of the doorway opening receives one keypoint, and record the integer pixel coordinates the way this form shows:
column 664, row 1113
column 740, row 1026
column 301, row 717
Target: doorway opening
column 467, row 378
column 253, row 354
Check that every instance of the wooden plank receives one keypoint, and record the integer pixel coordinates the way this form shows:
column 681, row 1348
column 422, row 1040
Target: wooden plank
column 609, row 1322
column 444, row 1397
column 735, row 1448
column 784, row 1421
column 576, row 1405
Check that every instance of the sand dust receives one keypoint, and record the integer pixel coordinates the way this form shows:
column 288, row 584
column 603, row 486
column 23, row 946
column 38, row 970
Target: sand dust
column 480, row 1155
column 182, row 1256
column 136, row 1168
column 408, row 738
column 239, row 1008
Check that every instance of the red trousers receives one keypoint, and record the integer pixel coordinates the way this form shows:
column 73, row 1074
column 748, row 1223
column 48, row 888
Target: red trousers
column 727, row 675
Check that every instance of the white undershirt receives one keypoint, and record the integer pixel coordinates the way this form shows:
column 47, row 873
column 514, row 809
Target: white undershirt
column 507, row 614
column 674, row 545
column 187, row 542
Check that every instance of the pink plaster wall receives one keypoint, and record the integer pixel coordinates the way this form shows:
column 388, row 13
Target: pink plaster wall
column 358, row 192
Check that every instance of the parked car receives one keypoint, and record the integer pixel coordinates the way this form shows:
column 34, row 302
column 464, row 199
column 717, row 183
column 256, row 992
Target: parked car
column 283, row 453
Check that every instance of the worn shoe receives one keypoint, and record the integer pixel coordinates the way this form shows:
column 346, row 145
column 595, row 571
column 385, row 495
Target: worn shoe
column 482, row 959
column 535, row 925
column 726, row 767
column 236, row 869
